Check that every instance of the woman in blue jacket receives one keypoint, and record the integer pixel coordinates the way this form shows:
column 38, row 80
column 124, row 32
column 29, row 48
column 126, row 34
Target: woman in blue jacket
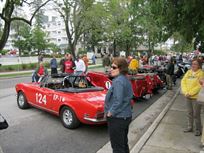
column 118, row 106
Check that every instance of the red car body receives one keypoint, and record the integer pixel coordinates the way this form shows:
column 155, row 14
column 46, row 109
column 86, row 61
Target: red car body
column 85, row 104
column 139, row 84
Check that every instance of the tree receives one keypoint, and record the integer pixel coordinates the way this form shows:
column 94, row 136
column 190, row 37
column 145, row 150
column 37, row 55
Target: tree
column 96, row 25
column 38, row 39
column 118, row 27
column 74, row 14
column 180, row 44
column 39, row 15
column 23, row 37
column 7, row 15
column 148, row 26
column 53, row 47
column 184, row 17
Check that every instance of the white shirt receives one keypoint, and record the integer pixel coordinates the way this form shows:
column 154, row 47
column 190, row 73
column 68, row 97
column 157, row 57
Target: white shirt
column 80, row 65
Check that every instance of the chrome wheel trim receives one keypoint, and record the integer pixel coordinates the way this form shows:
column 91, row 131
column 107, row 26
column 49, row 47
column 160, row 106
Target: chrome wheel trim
column 21, row 100
column 67, row 117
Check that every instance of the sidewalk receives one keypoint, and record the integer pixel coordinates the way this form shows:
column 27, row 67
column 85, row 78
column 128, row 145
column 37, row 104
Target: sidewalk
column 169, row 137
column 140, row 125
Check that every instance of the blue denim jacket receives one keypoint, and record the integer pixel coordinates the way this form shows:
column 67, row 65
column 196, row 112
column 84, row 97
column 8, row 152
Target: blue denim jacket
column 118, row 98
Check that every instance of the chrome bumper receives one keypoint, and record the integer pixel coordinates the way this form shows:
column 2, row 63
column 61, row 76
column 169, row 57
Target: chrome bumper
column 95, row 120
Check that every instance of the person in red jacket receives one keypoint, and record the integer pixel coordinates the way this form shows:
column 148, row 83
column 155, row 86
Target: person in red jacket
column 40, row 72
column 69, row 64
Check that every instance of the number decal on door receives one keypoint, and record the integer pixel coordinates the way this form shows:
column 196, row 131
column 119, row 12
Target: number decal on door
column 40, row 98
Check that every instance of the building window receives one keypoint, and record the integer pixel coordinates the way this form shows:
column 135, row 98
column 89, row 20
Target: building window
column 59, row 40
column 59, row 31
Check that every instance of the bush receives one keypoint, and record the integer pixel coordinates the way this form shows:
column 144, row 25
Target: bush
column 11, row 68
column 159, row 52
column 47, row 65
column 3, row 52
column 32, row 65
column 82, row 52
column 24, row 66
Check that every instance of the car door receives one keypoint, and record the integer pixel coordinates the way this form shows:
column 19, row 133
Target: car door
column 44, row 98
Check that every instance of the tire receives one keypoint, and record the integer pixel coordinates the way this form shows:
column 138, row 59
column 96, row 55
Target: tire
column 22, row 101
column 69, row 118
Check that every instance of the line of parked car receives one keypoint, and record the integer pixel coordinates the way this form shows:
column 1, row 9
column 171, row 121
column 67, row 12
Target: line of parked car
column 80, row 98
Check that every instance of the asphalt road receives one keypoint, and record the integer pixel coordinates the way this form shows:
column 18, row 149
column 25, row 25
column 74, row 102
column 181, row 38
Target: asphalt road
column 35, row 131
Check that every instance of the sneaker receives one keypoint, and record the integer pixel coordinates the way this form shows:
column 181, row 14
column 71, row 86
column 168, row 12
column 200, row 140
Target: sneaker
column 197, row 133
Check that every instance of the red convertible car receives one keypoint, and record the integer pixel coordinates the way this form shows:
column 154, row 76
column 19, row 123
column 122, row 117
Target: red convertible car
column 73, row 98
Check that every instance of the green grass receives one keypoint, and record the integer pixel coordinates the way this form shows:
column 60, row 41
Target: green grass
column 13, row 75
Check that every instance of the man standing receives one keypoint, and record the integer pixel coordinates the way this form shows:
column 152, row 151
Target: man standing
column 53, row 65
column 80, row 65
column 106, row 63
column 170, row 73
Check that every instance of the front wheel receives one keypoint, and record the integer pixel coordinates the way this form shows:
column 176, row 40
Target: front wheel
column 69, row 118
column 22, row 101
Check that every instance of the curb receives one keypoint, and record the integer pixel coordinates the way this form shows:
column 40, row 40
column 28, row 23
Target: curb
column 142, row 141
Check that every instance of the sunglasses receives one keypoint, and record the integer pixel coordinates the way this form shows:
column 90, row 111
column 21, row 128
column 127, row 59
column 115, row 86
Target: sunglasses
column 114, row 67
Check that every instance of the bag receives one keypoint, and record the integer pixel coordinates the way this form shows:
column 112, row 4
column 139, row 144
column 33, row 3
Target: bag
column 200, row 98
column 3, row 123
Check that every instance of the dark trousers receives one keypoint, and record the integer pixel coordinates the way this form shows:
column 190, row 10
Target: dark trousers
column 118, row 132
column 53, row 71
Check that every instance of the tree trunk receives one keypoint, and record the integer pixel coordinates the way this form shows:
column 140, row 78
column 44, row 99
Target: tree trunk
column 114, row 48
column 19, row 52
column 149, row 45
column 73, row 48
column 93, row 47
column 127, row 49
column 5, row 35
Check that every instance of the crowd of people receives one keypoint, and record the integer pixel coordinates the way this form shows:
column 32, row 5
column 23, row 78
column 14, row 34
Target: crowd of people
column 67, row 65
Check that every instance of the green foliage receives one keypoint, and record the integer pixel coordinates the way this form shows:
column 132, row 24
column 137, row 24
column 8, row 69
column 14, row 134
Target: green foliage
column 18, row 67
column 8, row 16
column 47, row 64
column 53, row 47
column 159, row 52
column 23, row 36
column 39, row 39
column 24, row 66
column 76, row 16
column 184, row 17
column 3, row 52
column 82, row 52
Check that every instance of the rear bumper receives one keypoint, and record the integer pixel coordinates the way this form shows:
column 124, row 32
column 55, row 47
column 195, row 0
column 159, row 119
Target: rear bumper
column 94, row 120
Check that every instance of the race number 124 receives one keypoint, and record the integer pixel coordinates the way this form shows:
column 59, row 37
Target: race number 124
column 40, row 98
